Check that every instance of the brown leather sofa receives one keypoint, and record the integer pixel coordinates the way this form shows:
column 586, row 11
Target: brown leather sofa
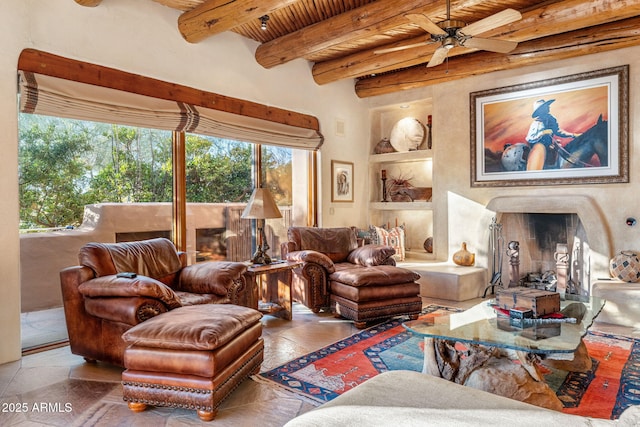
column 100, row 306
column 361, row 283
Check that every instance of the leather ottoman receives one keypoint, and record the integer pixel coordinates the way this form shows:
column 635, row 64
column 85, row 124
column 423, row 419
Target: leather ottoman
column 191, row 357
column 365, row 294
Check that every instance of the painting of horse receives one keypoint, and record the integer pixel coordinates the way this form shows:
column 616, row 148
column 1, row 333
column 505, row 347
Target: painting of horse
column 587, row 150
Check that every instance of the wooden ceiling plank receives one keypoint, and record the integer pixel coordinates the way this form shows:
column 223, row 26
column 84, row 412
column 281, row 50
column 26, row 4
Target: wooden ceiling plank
column 70, row 69
column 601, row 38
column 215, row 16
column 372, row 18
column 548, row 20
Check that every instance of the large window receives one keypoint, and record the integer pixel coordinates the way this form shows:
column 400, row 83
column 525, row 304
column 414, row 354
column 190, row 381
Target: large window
column 67, row 164
column 84, row 181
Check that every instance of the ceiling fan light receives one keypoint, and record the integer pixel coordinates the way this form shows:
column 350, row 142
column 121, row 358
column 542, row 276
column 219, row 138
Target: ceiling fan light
column 449, row 42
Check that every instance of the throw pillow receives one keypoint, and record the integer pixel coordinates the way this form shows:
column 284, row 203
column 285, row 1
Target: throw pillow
column 369, row 255
column 393, row 237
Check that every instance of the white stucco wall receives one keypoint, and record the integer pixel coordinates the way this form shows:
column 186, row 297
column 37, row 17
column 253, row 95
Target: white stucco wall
column 13, row 33
column 142, row 37
column 459, row 213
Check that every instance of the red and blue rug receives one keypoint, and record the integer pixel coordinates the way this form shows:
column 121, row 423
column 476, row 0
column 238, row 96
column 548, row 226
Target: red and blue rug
column 612, row 385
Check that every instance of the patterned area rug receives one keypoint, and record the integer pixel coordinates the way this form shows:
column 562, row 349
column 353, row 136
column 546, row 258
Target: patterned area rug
column 612, row 385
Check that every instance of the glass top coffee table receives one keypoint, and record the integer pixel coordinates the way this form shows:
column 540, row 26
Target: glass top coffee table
column 482, row 324
column 457, row 344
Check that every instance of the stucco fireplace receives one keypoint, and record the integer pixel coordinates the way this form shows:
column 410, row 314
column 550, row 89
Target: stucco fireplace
column 539, row 223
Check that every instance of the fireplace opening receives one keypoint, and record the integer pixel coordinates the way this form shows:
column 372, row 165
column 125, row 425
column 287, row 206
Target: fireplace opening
column 588, row 237
column 539, row 236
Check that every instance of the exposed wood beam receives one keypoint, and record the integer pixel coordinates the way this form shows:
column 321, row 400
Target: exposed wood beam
column 57, row 66
column 89, row 3
column 601, row 38
column 215, row 16
column 550, row 19
column 373, row 18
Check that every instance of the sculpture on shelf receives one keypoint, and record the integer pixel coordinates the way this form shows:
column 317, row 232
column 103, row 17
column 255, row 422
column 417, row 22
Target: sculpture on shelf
column 401, row 190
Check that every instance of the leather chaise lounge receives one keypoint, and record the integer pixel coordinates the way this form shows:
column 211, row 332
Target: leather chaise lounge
column 99, row 306
column 361, row 283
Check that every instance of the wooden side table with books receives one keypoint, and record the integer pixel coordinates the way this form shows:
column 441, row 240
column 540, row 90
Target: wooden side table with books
column 270, row 286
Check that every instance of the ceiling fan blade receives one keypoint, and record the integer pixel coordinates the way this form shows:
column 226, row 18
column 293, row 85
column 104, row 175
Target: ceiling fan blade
column 492, row 45
column 438, row 57
column 425, row 23
column 505, row 17
column 398, row 48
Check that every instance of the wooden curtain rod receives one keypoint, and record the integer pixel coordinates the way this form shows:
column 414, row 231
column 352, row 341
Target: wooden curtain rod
column 36, row 61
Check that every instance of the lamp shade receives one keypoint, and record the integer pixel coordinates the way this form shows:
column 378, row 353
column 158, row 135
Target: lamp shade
column 261, row 205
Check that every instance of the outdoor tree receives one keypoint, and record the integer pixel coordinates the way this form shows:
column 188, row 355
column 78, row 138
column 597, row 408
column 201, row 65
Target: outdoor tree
column 67, row 164
column 52, row 173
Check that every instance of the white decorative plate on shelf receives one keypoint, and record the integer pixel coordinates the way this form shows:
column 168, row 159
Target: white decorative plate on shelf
column 407, row 134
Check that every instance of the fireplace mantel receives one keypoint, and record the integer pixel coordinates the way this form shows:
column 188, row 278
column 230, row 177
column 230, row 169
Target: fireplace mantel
column 585, row 207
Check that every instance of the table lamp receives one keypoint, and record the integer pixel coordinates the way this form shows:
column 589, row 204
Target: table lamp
column 260, row 207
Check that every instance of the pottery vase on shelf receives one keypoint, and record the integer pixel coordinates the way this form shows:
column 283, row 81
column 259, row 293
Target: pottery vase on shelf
column 625, row 266
column 428, row 245
column 464, row 257
column 383, row 147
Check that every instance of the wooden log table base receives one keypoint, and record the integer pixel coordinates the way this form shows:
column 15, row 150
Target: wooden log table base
column 494, row 370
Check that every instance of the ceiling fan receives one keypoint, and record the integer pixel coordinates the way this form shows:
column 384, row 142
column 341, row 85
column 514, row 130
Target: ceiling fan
column 452, row 32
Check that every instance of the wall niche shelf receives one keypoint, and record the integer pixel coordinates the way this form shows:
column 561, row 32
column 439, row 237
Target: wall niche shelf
column 399, row 157
column 404, row 206
column 416, row 166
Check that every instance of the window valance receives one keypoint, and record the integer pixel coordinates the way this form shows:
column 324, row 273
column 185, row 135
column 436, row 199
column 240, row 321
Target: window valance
column 53, row 96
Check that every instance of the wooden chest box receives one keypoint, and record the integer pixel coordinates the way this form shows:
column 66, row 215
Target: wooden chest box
column 539, row 301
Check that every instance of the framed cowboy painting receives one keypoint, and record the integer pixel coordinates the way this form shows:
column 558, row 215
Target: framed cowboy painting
column 566, row 130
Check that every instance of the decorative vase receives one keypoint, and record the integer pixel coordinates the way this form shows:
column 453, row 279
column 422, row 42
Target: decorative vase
column 464, row 257
column 625, row 266
column 428, row 245
column 383, row 147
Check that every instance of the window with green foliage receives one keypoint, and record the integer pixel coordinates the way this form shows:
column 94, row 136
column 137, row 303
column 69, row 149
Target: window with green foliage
column 67, row 164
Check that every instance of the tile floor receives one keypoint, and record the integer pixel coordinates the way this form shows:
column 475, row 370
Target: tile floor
column 43, row 327
column 57, row 388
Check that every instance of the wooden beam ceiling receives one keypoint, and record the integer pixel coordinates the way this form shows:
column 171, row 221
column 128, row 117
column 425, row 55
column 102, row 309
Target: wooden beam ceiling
column 550, row 19
column 215, row 16
column 341, row 36
column 611, row 36
column 379, row 16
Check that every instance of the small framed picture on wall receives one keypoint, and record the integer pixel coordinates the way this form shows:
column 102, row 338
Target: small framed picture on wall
column 341, row 181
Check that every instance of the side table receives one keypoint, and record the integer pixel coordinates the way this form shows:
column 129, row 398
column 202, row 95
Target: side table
column 270, row 287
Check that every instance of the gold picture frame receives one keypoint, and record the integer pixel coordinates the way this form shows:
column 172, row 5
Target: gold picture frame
column 508, row 127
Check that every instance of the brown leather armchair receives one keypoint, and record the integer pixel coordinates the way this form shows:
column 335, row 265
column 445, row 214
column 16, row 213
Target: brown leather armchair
column 361, row 283
column 100, row 306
